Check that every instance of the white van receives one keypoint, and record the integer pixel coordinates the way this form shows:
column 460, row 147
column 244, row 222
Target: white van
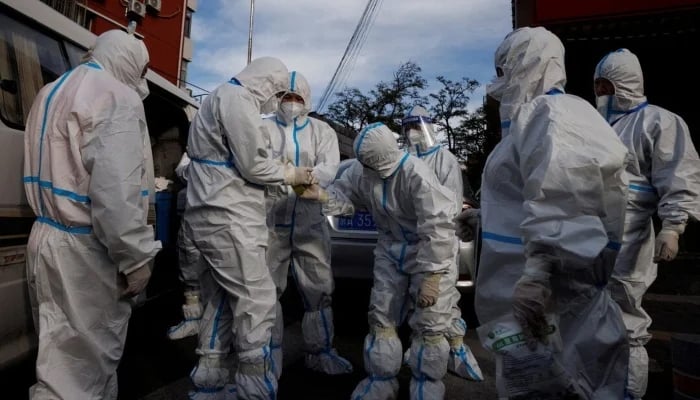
column 38, row 44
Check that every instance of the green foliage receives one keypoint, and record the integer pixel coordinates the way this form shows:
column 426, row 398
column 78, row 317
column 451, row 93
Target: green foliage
column 462, row 131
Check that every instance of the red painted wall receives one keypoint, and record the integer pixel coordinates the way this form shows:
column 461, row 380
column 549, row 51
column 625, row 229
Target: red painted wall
column 558, row 10
column 162, row 33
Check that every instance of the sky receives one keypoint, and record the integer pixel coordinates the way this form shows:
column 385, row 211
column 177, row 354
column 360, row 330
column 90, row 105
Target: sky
column 456, row 39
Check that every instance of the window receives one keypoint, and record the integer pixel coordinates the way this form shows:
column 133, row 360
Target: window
column 28, row 61
column 188, row 23
column 75, row 54
column 183, row 74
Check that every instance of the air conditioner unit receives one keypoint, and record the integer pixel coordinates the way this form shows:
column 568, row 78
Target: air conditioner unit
column 136, row 7
column 154, row 4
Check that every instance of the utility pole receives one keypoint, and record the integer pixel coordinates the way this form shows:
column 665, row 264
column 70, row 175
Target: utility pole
column 250, row 31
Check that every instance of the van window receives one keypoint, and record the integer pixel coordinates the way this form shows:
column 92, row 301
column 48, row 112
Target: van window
column 28, row 61
column 75, row 54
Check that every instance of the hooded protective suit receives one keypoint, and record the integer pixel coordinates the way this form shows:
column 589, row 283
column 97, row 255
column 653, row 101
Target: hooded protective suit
column 299, row 239
column 553, row 203
column 225, row 221
column 664, row 177
column 414, row 262
column 419, row 132
column 88, row 174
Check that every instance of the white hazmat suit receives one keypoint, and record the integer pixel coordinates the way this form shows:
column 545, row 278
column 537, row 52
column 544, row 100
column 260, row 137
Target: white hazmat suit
column 299, row 240
column 418, row 130
column 225, row 221
column 553, row 203
column 414, row 262
column 88, row 174
column 664, row 177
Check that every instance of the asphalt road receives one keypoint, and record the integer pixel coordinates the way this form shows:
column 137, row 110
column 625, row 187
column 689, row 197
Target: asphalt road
column 350, row 305
column 154, row 368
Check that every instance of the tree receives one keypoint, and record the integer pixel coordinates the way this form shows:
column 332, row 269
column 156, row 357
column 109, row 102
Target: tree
column 452, row 117
column 471, row 135
column 387, row 102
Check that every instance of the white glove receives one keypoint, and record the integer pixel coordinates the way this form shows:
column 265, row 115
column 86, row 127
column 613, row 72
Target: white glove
column 311, row 192
column 429, row 290
column 298, row 176
column 530, row 298
column 136, row 281
column 666, row 246
column 182, row 167
column 467, row 224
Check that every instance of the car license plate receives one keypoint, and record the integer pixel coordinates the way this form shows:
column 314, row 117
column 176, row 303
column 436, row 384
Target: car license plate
column 360, row 221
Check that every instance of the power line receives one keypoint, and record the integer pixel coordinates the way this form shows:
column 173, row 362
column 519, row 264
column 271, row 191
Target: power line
column 347, row 62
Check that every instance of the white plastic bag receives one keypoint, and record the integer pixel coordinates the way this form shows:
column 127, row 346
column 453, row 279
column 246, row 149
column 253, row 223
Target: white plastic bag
column 522, row 373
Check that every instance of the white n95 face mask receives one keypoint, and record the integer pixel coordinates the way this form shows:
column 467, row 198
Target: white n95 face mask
column 415, row 136
column 290, row 110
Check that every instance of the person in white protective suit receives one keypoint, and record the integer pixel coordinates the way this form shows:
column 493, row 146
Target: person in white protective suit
column 190, row 269
column 299, row 239
column 88, row 174
column 414, row 261
column 664, row 177
column 225, row 224
column 552, row 211
column 418, row 130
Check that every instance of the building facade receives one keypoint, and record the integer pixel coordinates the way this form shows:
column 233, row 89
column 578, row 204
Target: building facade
column 164, row 26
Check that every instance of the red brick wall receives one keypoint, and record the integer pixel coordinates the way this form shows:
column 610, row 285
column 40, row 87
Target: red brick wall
column 162, row 35
column 557, row 10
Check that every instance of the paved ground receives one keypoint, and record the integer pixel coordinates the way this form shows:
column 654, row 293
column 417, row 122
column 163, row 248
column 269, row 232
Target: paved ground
column 154, row 368
column 300, row 383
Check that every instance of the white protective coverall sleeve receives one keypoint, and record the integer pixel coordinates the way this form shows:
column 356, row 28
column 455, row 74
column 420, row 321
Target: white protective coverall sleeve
column 113, row 154
column 435, row 229
column 450, row 176
column 675, row 172
column 181, row 168
column 342, row 193
column 243, row 128
column 327, row 157
column 114, row 158
column 554, row 164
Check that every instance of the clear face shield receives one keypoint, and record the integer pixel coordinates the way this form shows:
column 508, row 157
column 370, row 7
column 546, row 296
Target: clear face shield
column 418, row 132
